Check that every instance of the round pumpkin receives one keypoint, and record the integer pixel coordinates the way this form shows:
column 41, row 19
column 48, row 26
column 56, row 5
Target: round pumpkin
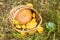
column 24, row 16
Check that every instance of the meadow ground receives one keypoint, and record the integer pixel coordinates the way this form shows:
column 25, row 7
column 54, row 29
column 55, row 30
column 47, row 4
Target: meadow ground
column 49, row 10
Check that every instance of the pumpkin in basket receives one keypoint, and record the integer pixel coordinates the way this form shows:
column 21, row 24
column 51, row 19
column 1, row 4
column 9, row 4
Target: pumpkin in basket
column 24, row 16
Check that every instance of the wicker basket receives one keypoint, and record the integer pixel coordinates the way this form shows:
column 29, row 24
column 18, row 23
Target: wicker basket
column 14, row 12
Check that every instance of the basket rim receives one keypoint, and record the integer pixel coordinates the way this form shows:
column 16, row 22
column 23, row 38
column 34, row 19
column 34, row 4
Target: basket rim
column 15, row 9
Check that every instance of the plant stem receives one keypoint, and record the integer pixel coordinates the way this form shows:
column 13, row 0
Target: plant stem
column 49, row 34
column 54, row 37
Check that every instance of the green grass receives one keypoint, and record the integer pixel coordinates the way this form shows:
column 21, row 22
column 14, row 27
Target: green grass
column 49, row 10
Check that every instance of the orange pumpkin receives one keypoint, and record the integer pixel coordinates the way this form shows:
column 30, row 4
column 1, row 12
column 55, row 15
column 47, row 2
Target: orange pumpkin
column 24, row 16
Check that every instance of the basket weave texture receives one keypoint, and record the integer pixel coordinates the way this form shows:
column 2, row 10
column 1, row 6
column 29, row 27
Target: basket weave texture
column 14, row 12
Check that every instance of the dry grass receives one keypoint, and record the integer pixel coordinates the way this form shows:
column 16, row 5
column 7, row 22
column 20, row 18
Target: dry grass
column 49, row 10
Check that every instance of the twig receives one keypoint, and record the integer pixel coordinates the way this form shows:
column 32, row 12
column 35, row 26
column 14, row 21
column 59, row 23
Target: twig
column 54, row 37
column 1, row 3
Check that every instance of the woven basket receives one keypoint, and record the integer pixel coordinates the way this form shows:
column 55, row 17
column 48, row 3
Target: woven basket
column 14, row 12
